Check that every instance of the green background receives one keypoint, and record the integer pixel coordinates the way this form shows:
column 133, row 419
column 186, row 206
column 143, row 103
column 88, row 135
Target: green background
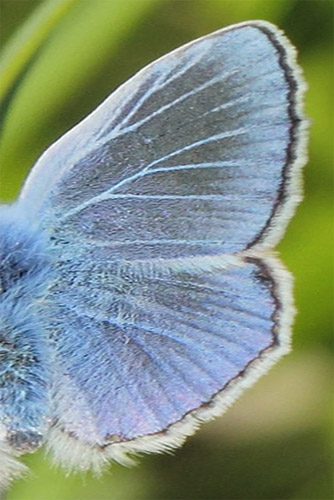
column 59, row 60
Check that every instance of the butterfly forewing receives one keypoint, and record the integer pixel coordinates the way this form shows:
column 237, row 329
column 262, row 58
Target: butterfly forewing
column 187, row 158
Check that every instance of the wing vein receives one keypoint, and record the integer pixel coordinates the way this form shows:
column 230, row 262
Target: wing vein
column 145, row 171
column 131, row 128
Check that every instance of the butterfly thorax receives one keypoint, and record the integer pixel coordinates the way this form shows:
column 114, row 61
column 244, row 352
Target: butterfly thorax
column 24, row 272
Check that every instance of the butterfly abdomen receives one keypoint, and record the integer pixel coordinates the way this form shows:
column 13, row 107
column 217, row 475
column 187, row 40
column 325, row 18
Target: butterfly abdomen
column 24, row 273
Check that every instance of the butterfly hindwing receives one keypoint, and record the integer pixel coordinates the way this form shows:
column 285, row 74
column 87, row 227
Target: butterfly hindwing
column 148, row 348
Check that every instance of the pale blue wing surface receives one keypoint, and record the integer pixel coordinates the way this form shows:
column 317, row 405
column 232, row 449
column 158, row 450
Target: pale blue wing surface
column 136, row 353
column 147, row 323
column 188, row 158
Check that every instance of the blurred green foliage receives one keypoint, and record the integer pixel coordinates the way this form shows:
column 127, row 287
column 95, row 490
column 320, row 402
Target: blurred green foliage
column 60, row 58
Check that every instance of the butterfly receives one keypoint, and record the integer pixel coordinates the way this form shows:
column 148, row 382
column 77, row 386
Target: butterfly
column 139, row 292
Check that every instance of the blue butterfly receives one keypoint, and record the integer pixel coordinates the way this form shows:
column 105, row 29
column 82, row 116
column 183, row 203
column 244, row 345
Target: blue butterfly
column 139, row 293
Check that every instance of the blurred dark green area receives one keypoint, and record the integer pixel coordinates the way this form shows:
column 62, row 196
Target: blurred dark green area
column 59, row 60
